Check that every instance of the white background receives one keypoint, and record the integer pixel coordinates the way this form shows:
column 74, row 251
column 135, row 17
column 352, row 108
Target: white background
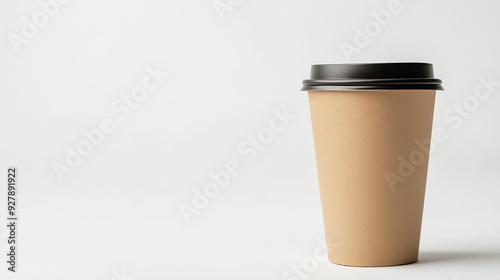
column 116, row 215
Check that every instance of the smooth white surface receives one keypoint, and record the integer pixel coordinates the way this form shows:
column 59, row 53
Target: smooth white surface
column 116, row 216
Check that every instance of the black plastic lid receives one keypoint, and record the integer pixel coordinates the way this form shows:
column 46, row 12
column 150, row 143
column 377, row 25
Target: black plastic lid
column 372, row 76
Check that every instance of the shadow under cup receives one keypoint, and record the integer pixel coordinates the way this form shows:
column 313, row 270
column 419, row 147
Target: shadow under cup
column 372, row 127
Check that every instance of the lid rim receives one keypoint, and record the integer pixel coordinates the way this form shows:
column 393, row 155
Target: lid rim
column 372, row 81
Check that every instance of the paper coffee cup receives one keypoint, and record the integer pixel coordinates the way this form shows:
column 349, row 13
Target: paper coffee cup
column 372, row 127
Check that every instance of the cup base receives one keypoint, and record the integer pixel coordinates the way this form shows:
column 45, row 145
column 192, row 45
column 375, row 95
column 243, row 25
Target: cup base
column 373, row 265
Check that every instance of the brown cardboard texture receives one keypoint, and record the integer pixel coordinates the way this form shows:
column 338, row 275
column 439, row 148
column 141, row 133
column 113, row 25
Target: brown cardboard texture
column 372, row 153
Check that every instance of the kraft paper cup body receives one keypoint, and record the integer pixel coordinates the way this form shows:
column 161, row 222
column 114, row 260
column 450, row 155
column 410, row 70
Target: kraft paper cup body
column 372, row 151
column 372, row 126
